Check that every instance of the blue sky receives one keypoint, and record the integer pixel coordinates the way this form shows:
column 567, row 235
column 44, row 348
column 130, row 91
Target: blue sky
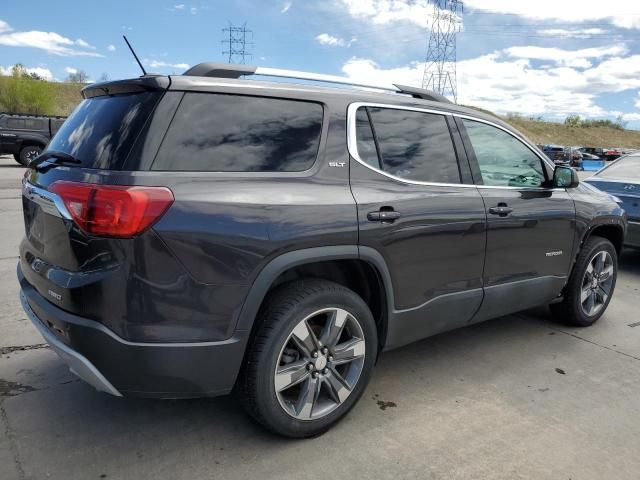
column 543, row 58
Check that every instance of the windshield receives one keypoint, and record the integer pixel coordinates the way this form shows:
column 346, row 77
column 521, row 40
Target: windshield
column 102, row 130
column 626, row 169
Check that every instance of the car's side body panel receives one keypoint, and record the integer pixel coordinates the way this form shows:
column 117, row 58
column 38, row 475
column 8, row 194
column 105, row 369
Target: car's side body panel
column 187, row 291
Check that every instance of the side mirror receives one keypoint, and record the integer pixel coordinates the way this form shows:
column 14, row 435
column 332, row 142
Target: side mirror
column 565, row 177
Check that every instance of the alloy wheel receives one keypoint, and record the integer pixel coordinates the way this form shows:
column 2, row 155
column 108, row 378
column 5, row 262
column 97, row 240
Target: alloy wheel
column 319, row 364
column 597, row 283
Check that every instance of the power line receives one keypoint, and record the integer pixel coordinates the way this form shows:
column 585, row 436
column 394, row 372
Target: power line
column 236, row 42
column 440, row 66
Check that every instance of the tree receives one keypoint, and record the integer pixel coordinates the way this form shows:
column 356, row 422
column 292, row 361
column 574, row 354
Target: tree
column 26, row 93
column 79, row 76
column 573, row 121
column 104, row 77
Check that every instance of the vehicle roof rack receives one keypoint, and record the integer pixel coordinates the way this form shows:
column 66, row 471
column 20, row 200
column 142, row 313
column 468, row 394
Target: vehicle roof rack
column 227, row 70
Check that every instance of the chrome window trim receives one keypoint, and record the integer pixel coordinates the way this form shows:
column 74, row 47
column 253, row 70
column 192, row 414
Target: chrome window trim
column 353, row 149
column 50, row 202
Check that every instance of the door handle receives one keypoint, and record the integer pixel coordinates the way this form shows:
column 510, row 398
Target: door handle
column 383, row 216
column 502, row 210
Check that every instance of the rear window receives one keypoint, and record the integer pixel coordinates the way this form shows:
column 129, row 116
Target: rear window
column 234, row 133
column 626, row 169
column 102, row 130
column 412, row 145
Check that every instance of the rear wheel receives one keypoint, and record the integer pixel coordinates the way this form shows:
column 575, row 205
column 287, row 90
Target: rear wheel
column 28, row 153
column 591, row 284
column 310, row 359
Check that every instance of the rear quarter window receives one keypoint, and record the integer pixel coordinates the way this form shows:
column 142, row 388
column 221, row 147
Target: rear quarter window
column 236, row 133
column 102, row 130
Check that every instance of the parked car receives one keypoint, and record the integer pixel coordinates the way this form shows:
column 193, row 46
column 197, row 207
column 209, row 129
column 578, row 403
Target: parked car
column 210, row 233
column 589, row 156
column 556, row 154
column 24, row 136
column 598, row 152
column 622, row 180
column 574, row 156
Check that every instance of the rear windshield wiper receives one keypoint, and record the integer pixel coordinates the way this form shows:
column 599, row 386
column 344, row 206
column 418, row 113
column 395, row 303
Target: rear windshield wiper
column 53, row 157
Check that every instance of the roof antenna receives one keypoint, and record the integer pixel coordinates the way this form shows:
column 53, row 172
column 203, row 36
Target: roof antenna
column 144, row 72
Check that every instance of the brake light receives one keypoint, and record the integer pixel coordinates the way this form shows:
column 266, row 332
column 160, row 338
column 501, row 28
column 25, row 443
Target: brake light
column 113, row 210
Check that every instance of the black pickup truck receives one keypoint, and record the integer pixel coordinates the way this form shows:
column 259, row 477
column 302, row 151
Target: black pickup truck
column 24, row 136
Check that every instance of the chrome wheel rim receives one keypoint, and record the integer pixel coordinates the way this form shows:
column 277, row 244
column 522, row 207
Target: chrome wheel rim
column 319, row 364
column 597, row 283
column 31, row 154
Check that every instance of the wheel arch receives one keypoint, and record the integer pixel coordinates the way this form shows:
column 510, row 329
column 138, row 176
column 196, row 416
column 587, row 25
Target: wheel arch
column 613, row 232
column 361, row 269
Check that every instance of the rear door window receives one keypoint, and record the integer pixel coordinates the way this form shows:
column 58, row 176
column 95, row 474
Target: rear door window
column 35, row 124
column 102, row 130
column 415, row 145
column 235, row 133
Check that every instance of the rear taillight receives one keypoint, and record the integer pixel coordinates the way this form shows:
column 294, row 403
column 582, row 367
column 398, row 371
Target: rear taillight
column 113, row 210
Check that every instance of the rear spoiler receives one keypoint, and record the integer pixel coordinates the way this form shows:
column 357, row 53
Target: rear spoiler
column 145, row 83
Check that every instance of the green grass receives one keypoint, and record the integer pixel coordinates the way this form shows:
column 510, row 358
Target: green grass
column 65, row 96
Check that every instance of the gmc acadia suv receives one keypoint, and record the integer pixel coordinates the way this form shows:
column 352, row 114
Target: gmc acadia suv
column 197, row 234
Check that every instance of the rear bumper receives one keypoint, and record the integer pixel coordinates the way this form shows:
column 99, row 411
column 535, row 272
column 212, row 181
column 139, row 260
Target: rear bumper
column 78, row 364
column 123, row 368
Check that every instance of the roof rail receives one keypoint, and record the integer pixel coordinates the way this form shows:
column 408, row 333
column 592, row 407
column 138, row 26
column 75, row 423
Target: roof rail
column 422, row 93
column 226, row 70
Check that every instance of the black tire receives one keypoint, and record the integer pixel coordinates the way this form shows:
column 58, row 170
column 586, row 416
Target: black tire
column 16, row 157
column 284, row 311
column 28, row 153
column 570, row 310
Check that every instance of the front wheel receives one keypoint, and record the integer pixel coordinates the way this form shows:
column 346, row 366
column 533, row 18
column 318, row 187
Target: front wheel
column 591, row 284
column 310, row 359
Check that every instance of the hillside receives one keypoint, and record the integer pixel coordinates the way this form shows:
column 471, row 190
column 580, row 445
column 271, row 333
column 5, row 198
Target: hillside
column 67, row 96
column 561, row 134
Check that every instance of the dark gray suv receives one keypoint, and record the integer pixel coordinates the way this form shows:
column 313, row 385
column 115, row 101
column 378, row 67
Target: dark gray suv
column 197, row 234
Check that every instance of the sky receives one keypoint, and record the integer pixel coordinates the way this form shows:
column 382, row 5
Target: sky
column 543, row 58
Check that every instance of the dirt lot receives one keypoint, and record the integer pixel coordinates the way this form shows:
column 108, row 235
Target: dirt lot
column 517, row 397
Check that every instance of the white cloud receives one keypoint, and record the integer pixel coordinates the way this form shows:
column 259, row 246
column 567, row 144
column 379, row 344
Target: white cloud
column 638, row 101
column 71, row 70
column 387, row 11
column 50, row 42
column 4, row 27
column 111, row 48
column 180, row 6
column 503, row 83
column 568, row 58
column 567, row 11
column 40, row 71
column 159, row 64
column 571, row 32
column 286, row 6
column 193, row 10
column 81, row 43
column 330, row 40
